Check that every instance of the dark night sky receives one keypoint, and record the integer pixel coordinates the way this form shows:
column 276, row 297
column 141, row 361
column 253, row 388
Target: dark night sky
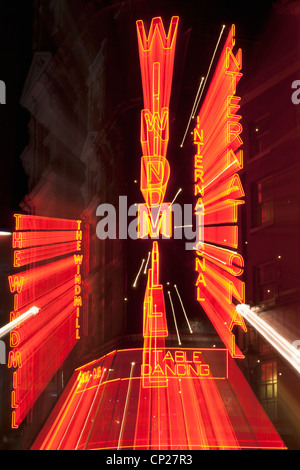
column 15, row 58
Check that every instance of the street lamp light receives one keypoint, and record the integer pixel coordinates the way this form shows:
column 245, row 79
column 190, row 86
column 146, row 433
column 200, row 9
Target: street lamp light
column 281, row 344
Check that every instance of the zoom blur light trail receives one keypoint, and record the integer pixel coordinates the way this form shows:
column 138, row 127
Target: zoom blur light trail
column 180, row 299
column 218, row 190
column 49, row 271
column 284, row 347
column 13, row 324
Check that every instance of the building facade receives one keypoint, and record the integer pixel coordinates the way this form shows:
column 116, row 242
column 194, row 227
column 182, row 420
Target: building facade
column 271, row 216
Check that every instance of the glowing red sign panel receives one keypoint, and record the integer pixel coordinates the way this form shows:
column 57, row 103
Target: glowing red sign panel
column 156, row 60
column 49, row 253
column 218, row 188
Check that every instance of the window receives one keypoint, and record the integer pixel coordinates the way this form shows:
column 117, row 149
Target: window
column 259, row 136
column 268, row 388
column 262, row 203
column 265, row 282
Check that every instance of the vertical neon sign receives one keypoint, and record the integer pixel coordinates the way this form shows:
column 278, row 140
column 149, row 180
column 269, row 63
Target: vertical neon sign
column 156, row 54
column 156, row 60
column 218, row 188
column 49, row 255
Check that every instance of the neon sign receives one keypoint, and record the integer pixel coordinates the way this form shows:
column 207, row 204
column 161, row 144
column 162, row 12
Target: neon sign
column 161, row 397
column 217, row 186
column 48, row 252
column 156, row 60
column 105, row 406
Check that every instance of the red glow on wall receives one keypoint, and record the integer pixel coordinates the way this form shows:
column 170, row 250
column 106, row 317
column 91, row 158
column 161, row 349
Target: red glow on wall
column 156, row 59
column 154, row 325
column 50, row 255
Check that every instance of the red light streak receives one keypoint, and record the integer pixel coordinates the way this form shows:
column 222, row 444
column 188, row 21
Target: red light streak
column 24, row 281
column 227, row 235
column 157, row 48
column 35, row 254
column 125, row 407
column 231, row 187
column 29, row 222
column 44, row 282
column 223, row 212
column 228, row 286
column 74, row 413
column 29, row 239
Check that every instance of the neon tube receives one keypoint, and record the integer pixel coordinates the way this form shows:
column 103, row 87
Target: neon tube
column 29, row 239
column 33, row 222
column 35, row 254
